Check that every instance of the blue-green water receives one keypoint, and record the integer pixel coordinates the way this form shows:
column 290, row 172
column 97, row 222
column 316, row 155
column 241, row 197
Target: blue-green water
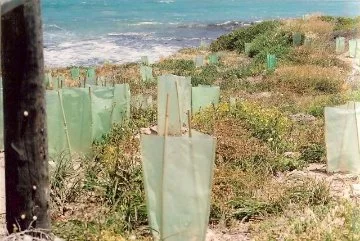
column 86, row 32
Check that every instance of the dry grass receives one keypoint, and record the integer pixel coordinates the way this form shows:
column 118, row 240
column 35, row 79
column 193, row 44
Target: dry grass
column 334, row 222
column 312, row 26
column 309, row 79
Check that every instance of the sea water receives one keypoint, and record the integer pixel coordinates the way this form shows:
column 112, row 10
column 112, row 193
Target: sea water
column 91, row 32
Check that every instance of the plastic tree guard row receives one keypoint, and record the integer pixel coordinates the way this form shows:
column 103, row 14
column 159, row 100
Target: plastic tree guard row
column 76, row 117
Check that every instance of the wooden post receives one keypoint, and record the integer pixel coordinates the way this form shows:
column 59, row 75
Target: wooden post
column 25, row 134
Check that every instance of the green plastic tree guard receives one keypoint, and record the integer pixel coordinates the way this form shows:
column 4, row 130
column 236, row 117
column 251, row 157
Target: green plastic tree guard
column 75, row 73
column 204, row 96
column 121, row 104
column 352, row 48
column 146, row 73
column 297, row 38
column 213, row 59
column 271, row 62
column 340, row 45
column 91, row 76
column 77, row 109
column 58, row 138
column 178, row 173
column 342, row 135
column 179, row 90
column 101, row 108
column 199, row 61
column 145, row 60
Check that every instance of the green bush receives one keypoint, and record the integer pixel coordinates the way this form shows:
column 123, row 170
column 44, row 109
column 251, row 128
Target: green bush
column 236, row 40
column 207, row 76
column 273, row 42
column 179, row 67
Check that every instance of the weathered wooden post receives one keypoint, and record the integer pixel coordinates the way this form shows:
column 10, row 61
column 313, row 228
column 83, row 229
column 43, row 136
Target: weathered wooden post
column 25, row 135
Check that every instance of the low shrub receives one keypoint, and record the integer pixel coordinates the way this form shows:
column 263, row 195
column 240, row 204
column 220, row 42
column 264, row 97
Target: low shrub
column 308, row 79
column 236, row 40
column 179, row 67
column 271, row 42
column 206, row 76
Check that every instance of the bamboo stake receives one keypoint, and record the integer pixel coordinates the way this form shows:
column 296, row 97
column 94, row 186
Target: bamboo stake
column 163, row 169
column 64, row 121
column 178, row 100
column 189, row 122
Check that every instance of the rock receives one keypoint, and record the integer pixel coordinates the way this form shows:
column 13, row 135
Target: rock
column 301, row 117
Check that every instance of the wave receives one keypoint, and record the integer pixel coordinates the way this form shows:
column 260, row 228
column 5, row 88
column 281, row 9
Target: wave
column 53, row 27
column 166, row 1
column 146, row 23
column 130, row 34
column 94, row 52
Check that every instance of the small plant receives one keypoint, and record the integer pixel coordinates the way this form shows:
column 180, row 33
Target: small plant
column 313, row 153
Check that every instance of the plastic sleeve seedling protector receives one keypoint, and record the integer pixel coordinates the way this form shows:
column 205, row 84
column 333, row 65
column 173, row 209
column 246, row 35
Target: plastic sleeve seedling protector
column 75, row 73
column 146, row 73
column 204, row 96
column 352, row 48
column 342, row 135
column 199, row 61
column 213, row 59
column 91, row 76
column 57, row 141
column 177, row 176
column 271, row 62
column 179, row 90
column 102, row 107
column 297, row 39
column 121, row 104
column 77, row 110
column 340, row 45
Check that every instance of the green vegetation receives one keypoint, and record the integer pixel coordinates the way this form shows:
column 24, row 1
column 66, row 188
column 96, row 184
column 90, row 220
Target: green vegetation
column 260, row 142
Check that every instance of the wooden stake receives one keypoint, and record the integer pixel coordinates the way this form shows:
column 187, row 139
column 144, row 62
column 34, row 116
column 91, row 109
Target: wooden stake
column 163, row 169
column 189, row 122
column 167, row 116
column 25, row 137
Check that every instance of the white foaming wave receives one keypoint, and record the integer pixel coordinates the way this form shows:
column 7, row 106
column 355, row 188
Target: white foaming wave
column 166, row 1
column 94, row 52
column 130, row 34
column 145, row 23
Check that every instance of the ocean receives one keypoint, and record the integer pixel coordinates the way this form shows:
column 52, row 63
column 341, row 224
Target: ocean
column 91, row 32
